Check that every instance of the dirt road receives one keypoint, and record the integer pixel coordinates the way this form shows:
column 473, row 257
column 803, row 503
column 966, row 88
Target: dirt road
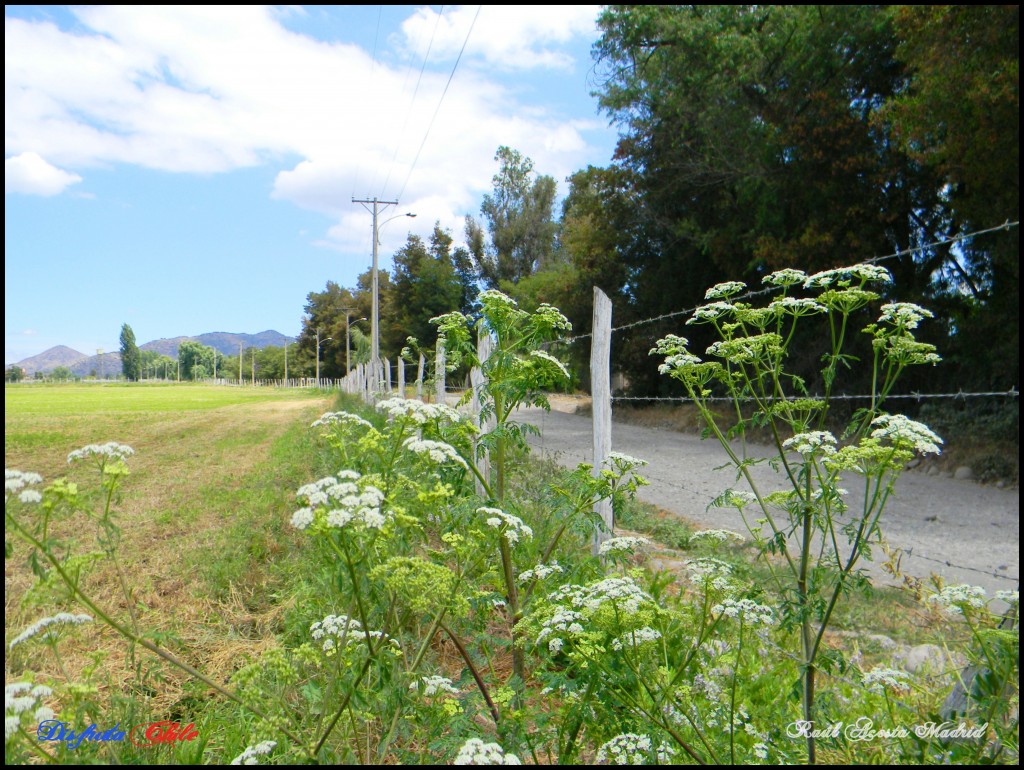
column 966, row 532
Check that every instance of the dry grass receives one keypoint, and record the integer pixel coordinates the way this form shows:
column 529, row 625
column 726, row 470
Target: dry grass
column 165, row 527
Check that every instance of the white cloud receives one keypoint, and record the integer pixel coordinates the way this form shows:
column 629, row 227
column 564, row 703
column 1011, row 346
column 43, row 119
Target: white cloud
column 512, row 37
column 28, row 173
column 205, row 89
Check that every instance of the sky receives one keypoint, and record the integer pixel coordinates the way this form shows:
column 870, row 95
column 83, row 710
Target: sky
column 192, row 169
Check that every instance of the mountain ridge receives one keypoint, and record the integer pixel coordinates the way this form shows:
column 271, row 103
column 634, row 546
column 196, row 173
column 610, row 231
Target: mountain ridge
column 83, row 365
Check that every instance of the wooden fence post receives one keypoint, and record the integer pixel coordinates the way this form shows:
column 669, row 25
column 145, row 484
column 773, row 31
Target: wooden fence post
column 601, row 393
column 484, row 348
column 419, row 379
column 401, row 377
column 387, row 377
column 439, row 372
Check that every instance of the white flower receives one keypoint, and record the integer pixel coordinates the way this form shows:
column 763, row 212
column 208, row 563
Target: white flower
column 880, row 679
column 636, row 638
column 623, row 461
column 340, row 418
column 302, row 518
column 716, row 535
column 906, row 433
column 476, row 752
column 711, row 312
column 30, row 496
column 512, row 527
column 872, row 273
column 726, row 289
column 904, row 314
column 417, row 411
column 785, row 277
column 15, row 480
column 438, row 451
column 796, row 306
column 540, row 572
column 109, row 451
column 1010, row 597
column 432, row 685
column 341, row 503
column 555, row 645
column 955, row 598
column 59, row 620
column 745, row 609
column 252, row 754
column 622, row 545
column 633, row 749
column 815, row 442
column 760, row 751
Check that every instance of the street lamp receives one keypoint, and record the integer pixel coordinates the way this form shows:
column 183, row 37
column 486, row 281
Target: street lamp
column 319, row 342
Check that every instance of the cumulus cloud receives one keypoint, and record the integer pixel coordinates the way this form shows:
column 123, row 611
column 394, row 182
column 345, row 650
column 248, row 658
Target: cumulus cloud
column 206, row 89
column 30, row 174
column 512, row 37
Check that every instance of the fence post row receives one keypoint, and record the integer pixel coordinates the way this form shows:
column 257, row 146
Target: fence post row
column 601, row 393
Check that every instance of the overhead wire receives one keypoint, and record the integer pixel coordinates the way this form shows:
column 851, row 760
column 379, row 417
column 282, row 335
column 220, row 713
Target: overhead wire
column 439, row 103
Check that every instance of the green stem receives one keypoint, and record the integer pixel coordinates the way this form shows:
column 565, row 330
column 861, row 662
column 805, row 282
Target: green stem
column 473, row 670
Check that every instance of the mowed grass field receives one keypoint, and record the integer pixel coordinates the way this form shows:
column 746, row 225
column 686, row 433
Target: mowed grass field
column 202, row 516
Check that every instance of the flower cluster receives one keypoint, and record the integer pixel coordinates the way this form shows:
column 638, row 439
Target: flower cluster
column 16, row 481
column 636, row 638
column 336, row 501
column 622, row 545
column 716, row 535
column 785, row 277
column 734, row 498
column 881, row 679
column 540, row 572
column 905, row 433
column 623, row 592
column 726, row 289
column 432, row 685
column 796, row 306
column 338, row 631
column 712, row 312
column 711, row 572
column 512, row 527
column 22, row 698
column 252, row 754
column 563, row 621
column 340, row 418
column 417, row 411
column 59, row 620
column 438, row 451
column 820, row 442
column 103, row 452
column 745, row 609
column 633, row 749
column 843, row 275
column 476, row 752
column 905, row 315
column 955, row 598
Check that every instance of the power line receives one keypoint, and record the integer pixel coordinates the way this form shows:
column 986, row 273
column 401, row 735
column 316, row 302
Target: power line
column 439, row 102
column 412, row 102
column 759, row 292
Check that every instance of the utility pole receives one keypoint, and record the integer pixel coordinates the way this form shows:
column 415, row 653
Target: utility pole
column 378, row 206
column 254, row 367
column 286, row 364
column 239, row 364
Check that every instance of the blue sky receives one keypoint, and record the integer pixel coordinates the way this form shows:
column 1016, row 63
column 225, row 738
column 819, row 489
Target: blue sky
column 192, row 169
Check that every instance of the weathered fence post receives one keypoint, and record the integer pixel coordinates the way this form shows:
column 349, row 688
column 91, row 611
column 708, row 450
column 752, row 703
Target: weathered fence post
column 387, row 377
column 601, row 393
column 439, row 372
column 419, row 379
column 401, row 377
column 484, row 348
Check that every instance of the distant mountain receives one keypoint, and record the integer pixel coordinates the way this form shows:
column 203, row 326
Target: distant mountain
column 50, row 359
column 109, row 364
column 225, row 342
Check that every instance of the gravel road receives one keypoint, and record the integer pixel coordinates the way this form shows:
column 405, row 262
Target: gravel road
column 966, row 532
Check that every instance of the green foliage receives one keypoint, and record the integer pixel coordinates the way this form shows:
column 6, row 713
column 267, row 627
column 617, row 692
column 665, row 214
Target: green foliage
column 130, row 359
column 519, row 216
column 197, row 361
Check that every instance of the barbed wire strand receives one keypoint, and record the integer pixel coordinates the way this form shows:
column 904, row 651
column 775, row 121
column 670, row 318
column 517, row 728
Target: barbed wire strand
column 759, row 292
column 1011, row 393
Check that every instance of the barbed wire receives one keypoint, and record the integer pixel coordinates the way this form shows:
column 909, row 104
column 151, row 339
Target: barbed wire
column 759, row 292
column 945, row 562
column 1011, row 393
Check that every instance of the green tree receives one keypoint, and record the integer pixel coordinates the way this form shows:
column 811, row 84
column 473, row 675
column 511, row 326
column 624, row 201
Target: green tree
column 427, row 283
column 130, row 361
column 519, row 217
column 748, row 142
column 61, row 374
column 196, row 360
column 15, row 373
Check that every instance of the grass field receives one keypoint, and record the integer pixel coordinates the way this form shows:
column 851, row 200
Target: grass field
column 202, row 513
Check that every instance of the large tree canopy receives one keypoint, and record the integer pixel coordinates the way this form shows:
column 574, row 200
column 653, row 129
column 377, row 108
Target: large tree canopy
column 757, row 137
column 130, row 359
